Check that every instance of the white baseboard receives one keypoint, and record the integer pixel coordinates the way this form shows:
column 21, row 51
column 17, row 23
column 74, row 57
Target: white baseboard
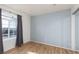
column 54, row 45
column 26, row 41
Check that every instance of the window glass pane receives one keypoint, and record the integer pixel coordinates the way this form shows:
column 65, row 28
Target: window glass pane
column 5, row 23
column 5, row 33
column 12, row 32
column 13, row 28
column 9, row 24
column 12, row 24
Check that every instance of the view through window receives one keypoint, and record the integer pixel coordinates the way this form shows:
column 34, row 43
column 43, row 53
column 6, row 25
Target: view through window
column 9, row 24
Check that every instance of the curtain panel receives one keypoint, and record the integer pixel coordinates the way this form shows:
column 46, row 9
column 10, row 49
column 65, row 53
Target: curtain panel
column 19, row 39
column 1, row 40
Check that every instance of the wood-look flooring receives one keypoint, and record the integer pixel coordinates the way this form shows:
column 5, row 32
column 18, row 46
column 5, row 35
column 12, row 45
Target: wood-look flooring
column 37, row 48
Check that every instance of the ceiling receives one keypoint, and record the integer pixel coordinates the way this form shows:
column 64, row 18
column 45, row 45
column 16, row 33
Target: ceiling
column 38, row 9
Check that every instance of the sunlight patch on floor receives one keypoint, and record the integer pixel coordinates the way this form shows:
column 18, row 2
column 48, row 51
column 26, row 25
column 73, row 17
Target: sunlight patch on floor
column 31, row 53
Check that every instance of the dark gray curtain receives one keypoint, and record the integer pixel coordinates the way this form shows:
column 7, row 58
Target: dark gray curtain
column 19, row 39
column 1, row 41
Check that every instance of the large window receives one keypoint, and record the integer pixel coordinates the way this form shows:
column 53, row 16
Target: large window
column 9, row 24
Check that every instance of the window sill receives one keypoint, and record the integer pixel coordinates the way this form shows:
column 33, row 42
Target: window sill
column 13, row 38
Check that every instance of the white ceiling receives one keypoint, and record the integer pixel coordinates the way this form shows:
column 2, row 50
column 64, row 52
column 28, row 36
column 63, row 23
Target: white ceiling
column 38, row 9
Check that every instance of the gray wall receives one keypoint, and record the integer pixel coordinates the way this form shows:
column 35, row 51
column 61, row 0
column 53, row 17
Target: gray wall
column 52, row 28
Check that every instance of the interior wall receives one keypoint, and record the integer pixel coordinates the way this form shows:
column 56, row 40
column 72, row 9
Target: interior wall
column 10, row 43
column 53, row 28
column 26, row 28
column 77, row 31
column 75, row 28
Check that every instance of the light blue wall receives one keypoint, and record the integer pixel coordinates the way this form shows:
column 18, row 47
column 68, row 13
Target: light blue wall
column 77, row 31
column 52, row 28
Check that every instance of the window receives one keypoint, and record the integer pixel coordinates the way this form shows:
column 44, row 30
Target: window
column 9, row 24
